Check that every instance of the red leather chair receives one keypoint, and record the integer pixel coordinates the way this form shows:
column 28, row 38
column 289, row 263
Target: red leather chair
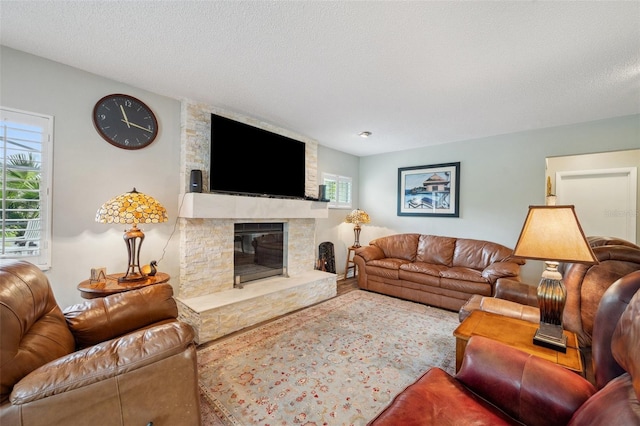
column 500, row 385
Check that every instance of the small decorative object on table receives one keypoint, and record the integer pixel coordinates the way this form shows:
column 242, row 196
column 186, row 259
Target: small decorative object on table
column 151, row 269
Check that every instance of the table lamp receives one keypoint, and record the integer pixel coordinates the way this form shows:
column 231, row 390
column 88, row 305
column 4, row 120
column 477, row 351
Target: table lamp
column 132, row 208
column 552, row 234
column 357, row 217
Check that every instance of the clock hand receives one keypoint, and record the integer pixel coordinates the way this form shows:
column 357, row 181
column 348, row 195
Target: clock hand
column 124, row 114
column 136, row 125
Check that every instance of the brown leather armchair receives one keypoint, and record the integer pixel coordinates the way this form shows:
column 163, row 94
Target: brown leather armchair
column 501, row 385
column 119, row 360
column 585, row 286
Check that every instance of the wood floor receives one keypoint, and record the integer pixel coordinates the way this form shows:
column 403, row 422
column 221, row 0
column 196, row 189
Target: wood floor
column 343, row 286
column 347, row 285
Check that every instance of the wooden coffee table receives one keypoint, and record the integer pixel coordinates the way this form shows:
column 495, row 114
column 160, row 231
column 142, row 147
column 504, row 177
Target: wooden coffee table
column 515, row 333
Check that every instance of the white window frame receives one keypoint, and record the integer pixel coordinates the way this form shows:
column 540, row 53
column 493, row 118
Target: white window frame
column 342, row 198
column 40, row 234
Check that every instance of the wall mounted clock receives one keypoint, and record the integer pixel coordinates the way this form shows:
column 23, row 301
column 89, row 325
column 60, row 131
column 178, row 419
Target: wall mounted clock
column 125, row 122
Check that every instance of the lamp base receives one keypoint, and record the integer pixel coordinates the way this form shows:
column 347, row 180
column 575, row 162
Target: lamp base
column 356, row 232
column 131, row 278
column 133, row 238
column 551, row 336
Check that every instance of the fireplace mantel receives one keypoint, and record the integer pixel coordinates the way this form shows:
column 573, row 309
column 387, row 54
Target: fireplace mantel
column 195, row 205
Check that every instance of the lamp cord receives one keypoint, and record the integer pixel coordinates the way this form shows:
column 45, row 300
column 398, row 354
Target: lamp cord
column 175, row 224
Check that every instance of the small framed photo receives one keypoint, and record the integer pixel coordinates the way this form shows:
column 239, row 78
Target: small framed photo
column 432, row 190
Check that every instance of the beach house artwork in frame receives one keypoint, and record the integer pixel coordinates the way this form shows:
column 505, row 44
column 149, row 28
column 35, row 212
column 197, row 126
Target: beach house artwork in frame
column 432, row 190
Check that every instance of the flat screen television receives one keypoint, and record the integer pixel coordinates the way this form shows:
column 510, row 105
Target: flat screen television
column 247, row 160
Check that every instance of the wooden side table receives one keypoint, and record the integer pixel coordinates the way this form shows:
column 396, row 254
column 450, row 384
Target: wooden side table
column 350, row 263
column 515, row 333
column 110, row 285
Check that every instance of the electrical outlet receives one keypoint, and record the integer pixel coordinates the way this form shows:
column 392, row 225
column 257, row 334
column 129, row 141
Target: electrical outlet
column 98, row 274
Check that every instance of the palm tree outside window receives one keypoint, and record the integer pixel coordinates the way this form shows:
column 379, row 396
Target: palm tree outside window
column 25, row 159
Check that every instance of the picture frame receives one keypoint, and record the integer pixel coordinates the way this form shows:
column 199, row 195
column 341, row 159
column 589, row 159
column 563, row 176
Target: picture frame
column 431, row 190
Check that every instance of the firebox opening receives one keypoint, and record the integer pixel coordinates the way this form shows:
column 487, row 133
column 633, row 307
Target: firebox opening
column 258, row 251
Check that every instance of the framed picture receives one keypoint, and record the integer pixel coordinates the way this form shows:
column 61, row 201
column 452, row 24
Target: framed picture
column 432, row 190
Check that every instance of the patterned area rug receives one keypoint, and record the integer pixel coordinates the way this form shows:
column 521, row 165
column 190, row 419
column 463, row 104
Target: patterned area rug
column 337, row 363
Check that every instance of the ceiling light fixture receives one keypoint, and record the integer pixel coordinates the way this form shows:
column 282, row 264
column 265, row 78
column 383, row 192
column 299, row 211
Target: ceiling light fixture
column 365, row 134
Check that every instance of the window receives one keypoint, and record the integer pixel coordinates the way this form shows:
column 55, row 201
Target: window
column 338, row 190
column 25, row 171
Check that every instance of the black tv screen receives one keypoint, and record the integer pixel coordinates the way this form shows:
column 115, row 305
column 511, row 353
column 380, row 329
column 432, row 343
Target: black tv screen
column 247, row 160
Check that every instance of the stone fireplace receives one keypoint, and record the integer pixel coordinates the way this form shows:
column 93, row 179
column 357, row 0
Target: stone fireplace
column 207, row 298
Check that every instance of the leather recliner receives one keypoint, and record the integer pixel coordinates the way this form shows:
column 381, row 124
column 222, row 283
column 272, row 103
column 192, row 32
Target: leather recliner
column 585, row 286
column 119, row 360
column 501, row 385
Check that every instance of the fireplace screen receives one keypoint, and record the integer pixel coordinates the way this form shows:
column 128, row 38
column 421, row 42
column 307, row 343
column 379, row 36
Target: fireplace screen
column 258, row 251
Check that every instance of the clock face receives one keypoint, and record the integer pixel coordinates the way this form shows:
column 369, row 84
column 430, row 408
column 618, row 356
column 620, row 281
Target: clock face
column 125, row 121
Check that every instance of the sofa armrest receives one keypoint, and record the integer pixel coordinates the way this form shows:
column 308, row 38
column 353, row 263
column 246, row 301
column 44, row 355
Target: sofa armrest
column 527, row 388
column 101, row 319
column 516, row 291
column 510, row 309
column 499, row 270
column 369, row 253
column 104, row 361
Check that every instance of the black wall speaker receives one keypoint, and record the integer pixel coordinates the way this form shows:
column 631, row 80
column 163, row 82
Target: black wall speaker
column 322, row 192
column 196, row 181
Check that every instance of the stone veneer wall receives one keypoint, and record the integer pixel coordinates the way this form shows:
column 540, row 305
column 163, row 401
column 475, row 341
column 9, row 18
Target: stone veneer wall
column 206, row 245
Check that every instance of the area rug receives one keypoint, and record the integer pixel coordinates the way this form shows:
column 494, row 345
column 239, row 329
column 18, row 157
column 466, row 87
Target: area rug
column 337, row 363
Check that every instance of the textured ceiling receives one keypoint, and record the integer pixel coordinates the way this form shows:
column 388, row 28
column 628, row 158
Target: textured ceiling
column 412, row 73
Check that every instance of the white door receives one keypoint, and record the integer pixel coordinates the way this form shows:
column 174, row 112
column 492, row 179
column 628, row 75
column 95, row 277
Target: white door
column 605, row 200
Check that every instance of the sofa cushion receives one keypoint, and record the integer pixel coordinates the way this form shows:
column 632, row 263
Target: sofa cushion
column 466, row 287
column 98, row 320
column 435, row 249
column 385, row 268
column 478, row 255
column 463, row 274
column 401, row 246
column 388, row 263
column 419, row 280
column 424, row 268
column 378, row 272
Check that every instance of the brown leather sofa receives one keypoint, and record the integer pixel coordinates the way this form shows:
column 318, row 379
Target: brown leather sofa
column 435, row 270
column 119, row 360
column 585, row 286
column 501, row 385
